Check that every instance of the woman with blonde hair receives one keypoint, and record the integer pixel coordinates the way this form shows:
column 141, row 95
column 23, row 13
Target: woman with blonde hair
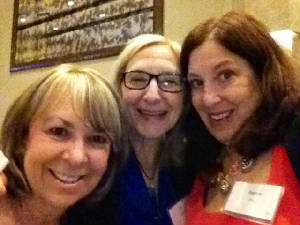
column 62, row 145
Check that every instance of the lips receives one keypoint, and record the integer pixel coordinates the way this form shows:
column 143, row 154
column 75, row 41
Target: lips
column 152, row 113
column 220, row 116
column 66, row 178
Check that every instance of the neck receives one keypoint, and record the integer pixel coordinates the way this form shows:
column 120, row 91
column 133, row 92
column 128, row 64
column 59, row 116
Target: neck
column 29, row 210
column 228, row 156
column 148, row 154
column 147, row 150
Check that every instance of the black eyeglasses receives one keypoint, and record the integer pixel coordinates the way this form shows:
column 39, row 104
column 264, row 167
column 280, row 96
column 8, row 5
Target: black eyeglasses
column 168, row 82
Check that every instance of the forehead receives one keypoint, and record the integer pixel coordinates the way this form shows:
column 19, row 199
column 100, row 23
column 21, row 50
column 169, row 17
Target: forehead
column 53, row 105
column 154, row 58
column 212, row 55
column 63, row 109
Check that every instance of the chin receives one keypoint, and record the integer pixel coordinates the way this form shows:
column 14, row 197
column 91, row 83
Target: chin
column 60, row 203
column 224, row 139
column 63, row 201
column 153, row 134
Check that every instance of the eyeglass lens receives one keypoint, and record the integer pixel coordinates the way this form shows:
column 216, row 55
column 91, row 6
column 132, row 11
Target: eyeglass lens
column 139, row 80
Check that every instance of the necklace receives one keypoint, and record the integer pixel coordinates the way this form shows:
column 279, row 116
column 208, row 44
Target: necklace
column 150, row 177
column 223, row 181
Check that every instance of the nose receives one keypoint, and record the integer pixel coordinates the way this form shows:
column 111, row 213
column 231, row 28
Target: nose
column 76, row 153
column 152, row 92
column 210, row 97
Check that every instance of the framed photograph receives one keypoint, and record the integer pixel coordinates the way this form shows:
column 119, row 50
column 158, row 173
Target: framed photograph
column 49, row 32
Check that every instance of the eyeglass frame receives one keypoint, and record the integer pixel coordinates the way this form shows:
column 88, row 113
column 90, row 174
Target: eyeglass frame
column 155, row 76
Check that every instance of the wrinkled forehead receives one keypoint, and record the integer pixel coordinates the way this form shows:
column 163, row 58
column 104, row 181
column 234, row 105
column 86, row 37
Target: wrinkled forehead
column 154, row 59
column 158, row 50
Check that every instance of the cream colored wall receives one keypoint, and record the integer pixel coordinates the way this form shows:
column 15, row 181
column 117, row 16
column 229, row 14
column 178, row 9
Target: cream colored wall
column 12, row 84
column 276, row 14
column 180, row 16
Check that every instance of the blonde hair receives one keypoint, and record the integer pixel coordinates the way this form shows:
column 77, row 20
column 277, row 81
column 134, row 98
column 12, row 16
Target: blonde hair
column 93, row 100
column 134, row 46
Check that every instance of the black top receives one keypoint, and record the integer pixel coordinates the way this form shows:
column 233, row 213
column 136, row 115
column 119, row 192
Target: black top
column 292, row 144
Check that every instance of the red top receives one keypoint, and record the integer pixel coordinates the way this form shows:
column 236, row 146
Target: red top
column 281, row 174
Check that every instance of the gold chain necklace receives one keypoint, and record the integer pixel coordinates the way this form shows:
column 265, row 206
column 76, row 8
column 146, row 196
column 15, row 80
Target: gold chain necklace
column 223, row 181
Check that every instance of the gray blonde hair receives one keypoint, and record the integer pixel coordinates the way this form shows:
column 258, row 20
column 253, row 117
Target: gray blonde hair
column 93, row 100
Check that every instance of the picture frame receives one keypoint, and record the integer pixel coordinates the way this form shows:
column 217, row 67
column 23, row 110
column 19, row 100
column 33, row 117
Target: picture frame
column 50, row 32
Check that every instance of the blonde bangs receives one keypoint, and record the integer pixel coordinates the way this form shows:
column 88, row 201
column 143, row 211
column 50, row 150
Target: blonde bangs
column 92, row 100
column 96, row 104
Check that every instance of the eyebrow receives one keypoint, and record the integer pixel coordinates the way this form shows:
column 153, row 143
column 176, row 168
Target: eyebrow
column 54, row 117
column 159, row 73
column 222, row 63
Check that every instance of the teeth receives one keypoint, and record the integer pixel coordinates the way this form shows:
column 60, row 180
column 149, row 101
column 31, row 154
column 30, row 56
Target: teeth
column 152, row 113
column 65, row 178
column 220, row 116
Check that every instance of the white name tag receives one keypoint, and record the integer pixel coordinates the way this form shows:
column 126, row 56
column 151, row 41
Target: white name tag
column 177, row 212
column 3, row 161
column 257, row 202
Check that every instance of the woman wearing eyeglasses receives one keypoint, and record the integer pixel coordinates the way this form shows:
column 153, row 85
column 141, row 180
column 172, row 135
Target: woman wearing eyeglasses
column 152, row 91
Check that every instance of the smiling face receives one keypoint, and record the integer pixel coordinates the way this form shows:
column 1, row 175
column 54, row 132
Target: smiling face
column 225, row 92
column 151, row 111
column 64, row 158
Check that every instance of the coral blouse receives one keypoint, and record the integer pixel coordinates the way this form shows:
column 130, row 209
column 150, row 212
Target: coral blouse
column 281, row 174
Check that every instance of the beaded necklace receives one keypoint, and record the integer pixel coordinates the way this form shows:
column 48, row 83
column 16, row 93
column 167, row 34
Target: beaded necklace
column 223, row 181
